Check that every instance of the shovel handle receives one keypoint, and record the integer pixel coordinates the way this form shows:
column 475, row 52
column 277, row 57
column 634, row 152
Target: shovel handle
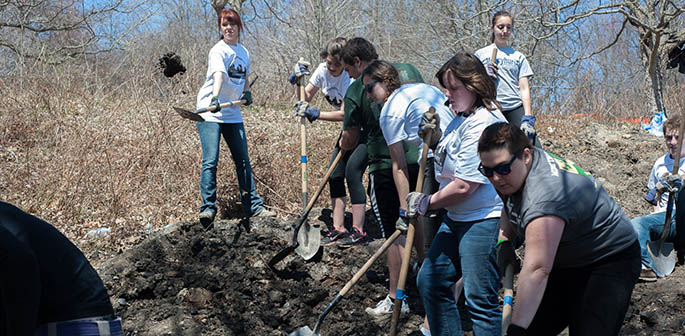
column 508, row 306
column 227, row 104
column 406, row 255
column 493, row 57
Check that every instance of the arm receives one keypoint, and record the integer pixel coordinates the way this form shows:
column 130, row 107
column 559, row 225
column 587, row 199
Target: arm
column 218, row 81
column 349, row 138
column 542, row 240
column 309, row 92
column 338, row 115
column 524, row 89
column 400, row 173
column 506, row 231
column 454, row 192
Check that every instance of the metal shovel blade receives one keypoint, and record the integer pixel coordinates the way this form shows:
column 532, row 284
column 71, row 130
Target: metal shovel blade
column 663, row 260
column 309, row 240
column 188, row 114
column 304, row 331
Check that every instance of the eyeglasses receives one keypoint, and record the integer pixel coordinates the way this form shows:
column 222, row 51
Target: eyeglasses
column 369, row 86
column 501, row 169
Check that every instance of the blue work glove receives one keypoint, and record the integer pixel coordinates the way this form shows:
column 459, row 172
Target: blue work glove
column 492, row 69
column 301, row 69
column 247, row 96
column 506, row 256
column 402, row 222
column 514, row 330
column 430, row 122
column 528, row 127
column 304, row 110
column 669, row 183
column 651, row 197
column 418, row 204
column 214, row 105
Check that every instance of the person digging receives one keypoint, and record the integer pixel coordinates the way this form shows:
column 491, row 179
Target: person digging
column 662, row 182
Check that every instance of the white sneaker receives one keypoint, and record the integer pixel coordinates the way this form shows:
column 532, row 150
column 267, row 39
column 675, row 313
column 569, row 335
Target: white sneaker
column 424, row 331
column 385, row 306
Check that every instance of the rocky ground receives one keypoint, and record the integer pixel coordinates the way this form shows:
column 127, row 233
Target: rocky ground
column 187, row 280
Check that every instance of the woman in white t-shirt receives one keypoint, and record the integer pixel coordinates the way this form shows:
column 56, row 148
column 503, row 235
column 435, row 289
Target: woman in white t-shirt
column 511, row 73
column 226, row 80
column 333, row 80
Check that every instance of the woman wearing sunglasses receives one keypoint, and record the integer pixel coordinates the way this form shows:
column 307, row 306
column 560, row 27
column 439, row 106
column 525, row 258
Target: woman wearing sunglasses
column 464, row 246
column 582, row 258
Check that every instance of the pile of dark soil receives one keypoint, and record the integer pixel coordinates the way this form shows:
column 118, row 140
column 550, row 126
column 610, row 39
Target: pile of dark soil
column 185, row 280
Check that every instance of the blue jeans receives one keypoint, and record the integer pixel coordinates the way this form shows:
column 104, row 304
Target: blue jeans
column 234, row 134
column 650, row 228
column 462, row 249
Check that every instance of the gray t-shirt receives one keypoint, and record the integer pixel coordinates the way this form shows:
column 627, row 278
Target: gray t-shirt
column 596, row 226
column 513, row 66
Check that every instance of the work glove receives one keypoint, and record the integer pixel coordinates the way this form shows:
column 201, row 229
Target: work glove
column 304, row 110
column 247, row 96
column 514, row 330
column 651, row 197
column 669, row 183
column 214, row 105
column 528, row 127
column 505, row 256
column 301, row 69
column 492, row 69
column 402, row 222
column 430, row 124
column 418, row 204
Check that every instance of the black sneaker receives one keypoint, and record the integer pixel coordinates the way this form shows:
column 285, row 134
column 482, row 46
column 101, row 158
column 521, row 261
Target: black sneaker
column 333, row 237
column 354, row 238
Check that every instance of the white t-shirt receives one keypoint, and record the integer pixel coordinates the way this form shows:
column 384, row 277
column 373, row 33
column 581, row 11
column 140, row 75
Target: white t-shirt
column 234, row 63
column 402, row 113
column 333, row 88
column 512, row 66
column 663, row 166
column 457, row 157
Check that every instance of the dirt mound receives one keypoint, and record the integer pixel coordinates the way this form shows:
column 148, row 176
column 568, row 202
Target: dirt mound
column 185, row 280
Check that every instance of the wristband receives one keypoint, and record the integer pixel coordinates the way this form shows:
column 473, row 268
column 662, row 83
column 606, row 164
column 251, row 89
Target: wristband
column 403, row 213
column 501, row 241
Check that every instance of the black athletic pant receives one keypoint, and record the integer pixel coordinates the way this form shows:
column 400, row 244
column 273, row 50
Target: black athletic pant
column 590, row 300
column 351, row 168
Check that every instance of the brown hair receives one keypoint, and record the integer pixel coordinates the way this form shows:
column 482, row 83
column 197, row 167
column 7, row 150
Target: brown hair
column 232, row 16
column 333, row 48
column 503, row 135
column 672, row 123
column 358, row 47
column 383, row 71
column 468, row 69
column 494, row 19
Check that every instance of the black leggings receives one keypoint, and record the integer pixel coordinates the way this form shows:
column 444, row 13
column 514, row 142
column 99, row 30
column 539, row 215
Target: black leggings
column 351, row 168
column 514, row 117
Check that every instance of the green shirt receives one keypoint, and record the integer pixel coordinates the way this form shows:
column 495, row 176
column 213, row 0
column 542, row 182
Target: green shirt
column 361, row 112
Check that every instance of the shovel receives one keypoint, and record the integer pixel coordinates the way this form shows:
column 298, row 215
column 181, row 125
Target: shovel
column 663, row 260
column 307, row 238
column 195, row 116
column 306, row 331
column 408, row 244
column 508, row 305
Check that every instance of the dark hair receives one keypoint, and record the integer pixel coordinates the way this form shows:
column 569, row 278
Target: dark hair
column 672, row 123
column 385, row 72
column 232, row 16
column 333, row 47
column 468, row 69
column 494, row 19
column 503, row 135
column 358, row 47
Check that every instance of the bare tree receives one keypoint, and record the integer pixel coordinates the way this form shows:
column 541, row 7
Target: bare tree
column 650, row 18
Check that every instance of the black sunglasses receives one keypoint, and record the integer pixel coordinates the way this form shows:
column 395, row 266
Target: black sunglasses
column 501, row 169
column 369, row 86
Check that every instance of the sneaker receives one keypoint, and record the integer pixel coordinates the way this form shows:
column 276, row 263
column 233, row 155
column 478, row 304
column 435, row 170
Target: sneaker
column 207, row 217
column 424, row 331
column 354, row 238
column 647, row 275
column 333, row 237
column 385, row 306
column 265, row 213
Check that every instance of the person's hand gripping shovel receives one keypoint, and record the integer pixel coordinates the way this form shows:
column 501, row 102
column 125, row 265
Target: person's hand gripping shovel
column 215, row 106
